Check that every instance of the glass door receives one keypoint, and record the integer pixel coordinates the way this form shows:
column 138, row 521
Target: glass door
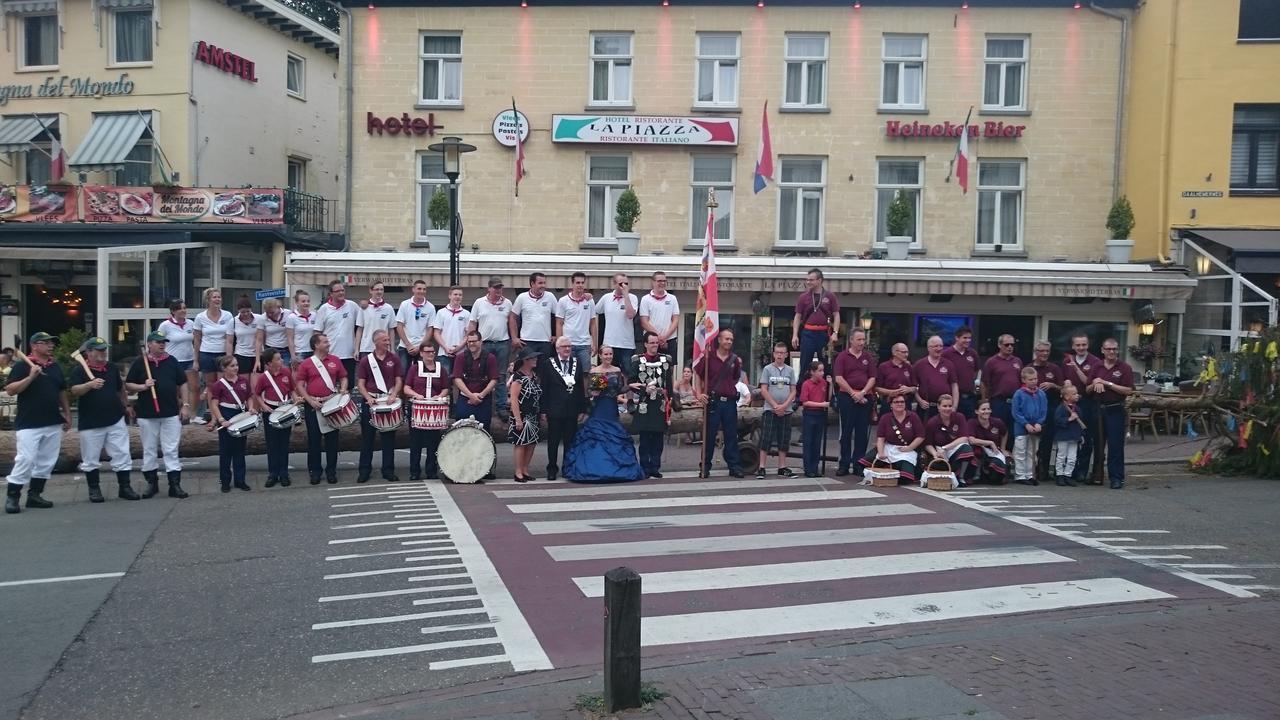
column 137, row 283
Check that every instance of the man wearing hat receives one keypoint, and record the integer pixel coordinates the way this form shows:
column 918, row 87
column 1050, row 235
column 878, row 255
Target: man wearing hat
column 102, row 407
column 160, row 409
column 44, row 412
column 489, row 315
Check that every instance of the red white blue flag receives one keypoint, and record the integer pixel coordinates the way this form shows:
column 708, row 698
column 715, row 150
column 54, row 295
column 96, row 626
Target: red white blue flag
column 707, row 322
column 764, row 155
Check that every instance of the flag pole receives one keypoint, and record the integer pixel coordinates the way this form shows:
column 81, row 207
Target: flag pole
column 708, row 447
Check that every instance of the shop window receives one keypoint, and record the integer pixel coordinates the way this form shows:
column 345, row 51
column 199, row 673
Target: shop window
column 430, row 178
column 718, row 56
column 137, row 166
column 902, row 79
column 131, row 37
column 39, row 42
column 806, row 73
column 608, row 176
column 1001, row 186
column 1259, row 21
column 802, row 186
column 893, row 176
column 295, row 76
column 712, row 171
column 1255, row 147
column 441, row 58
column 610, row 69
column 1005, row 75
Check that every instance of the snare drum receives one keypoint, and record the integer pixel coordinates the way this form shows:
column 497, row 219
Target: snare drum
column 386, row 414
column 243, row 424
column 429, row 414
column 285, row 416
column 466, row 452
column 339, row 411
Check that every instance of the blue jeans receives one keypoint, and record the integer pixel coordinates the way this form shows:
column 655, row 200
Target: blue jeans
column 1088, row 411
column 722, row 415
column 501, row 350
column 1003, row 409
column 582, row 353
column 813, row 343
column 1114, row 421
column 967, row 405
column 855, row 420
column 813, row 425
column 483, row 412
column 651, row 451
column 622, row 358
column 446, row 362
column 283, row 353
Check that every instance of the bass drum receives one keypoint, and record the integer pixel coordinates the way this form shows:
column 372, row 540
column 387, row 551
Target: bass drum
column 466, row 452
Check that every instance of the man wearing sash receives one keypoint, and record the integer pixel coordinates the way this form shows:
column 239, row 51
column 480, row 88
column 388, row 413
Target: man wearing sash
column 817, row 320
column 651, row 380
column 563, row 401
column 319, row 378
column 275, row 390
column 426, row 378
column 379, row 377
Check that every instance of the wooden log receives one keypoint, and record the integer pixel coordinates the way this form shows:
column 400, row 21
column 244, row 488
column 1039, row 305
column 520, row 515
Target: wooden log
column 1172, row 402
column 621, row 639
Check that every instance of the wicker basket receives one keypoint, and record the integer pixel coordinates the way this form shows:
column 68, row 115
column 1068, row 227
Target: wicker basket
column 881, row 474
column 938, row 476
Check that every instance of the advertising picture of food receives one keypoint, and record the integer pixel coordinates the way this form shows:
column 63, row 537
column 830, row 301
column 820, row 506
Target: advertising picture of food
column 228, row 205
column 139, row 204
column 44, row 200
column 8, row 200
column 103, row 202
column 264, row 205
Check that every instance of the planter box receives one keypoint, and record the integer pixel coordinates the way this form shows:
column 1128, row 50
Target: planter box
column 898, row 247
column 438, row 241
column 1119, row 252
column 628, row 243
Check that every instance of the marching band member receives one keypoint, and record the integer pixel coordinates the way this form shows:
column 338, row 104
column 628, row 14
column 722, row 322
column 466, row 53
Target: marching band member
column 898, row 434
column 855, row 378
column 425, row 378
column 378, row 376
column 44, row 413
column 336, row 318
column 160, row 429
column 102, row 407
column 319, row 378
column 449, row 329
column 720, row 393
column 1112, row 380
column 377, row 315
column 413, row 323
column 475, row 374
column 935, row 377
column 489, row 316
column 896, row 377
column 228, row 397
column 1001, row 378
column 275, row 388
column 945, row 438
column 817, row 320
column 532, row 317
column 988, row 435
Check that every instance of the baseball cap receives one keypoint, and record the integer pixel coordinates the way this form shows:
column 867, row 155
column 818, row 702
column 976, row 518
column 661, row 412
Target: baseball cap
column 43, row 337
column 95, row 343
column 154, row 336
column 495, row 281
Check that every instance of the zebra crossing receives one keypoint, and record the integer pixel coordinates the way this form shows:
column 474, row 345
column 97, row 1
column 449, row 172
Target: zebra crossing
column 726, row 561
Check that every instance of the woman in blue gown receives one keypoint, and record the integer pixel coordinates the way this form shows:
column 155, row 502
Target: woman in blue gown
column 602, row 450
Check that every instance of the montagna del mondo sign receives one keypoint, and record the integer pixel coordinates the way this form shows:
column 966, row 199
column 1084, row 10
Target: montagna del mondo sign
column 643, row 130
column 917, row 129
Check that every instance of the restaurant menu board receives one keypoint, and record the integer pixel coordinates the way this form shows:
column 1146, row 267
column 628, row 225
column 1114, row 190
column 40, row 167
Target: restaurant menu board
column 38, row 203
column 112, row 204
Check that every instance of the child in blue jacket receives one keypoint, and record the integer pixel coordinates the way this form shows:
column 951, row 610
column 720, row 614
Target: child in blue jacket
column 1068, row 431
column 1030, row 406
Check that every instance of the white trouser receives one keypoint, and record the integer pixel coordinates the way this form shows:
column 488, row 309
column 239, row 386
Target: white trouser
column 1066, row 461
column 115, row 438
column 1025, row 448
column 160, row 434
column 38, row 450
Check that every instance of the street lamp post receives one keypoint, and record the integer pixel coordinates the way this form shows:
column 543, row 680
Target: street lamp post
column 452, row 148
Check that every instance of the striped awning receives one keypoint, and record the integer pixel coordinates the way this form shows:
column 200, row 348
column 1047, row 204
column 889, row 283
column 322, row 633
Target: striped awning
column 16, row 133
column 125, row 3
column 22, row 7
column 110, row 139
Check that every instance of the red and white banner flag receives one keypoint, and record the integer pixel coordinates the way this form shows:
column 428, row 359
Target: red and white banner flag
column 707, row 322
column 519, row 147
column 962, row 155
column 57, row 161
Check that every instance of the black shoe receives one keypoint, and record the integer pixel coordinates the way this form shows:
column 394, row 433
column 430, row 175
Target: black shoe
column 522, row 479
column 1021, row 481
column 175, row 485
column 33, row 494
column 704, row 474
column 655, row 474
column 1060, row 481
column 224, row 487
column 392, row 478
column 95, row 490
column 13, row 493
column 331, row 479
column 314, row 480
column 841, row 472
column 285, row 481
column 243, row 486
column 1115, row 485
column 785, row 472
column 810, row 474
column 362, row 479
column 552, row 474
column 736, row 473
column 126, row 487
column 414, row 478
column 153, row 484
column 271, row 482
column 433, row 476
column 1069, row 481
column 760, row 474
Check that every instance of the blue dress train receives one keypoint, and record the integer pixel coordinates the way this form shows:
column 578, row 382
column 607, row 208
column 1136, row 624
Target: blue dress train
column 602, row 451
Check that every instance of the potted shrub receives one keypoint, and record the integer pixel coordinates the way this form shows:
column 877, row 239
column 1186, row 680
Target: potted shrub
column 438, row 214
column 627, row 213
column 1120, row 222
column 898, row 227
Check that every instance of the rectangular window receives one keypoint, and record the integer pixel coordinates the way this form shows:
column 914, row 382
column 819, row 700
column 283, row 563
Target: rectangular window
column 806, row 71
column 297, row 178
column 1005, row 75
column 717, row 70
column 902, row 79
column 1259, row 21
column 893, row 176
column 712, row 171
column 441, row 58
column 38, row 167
column 607, row 177
column 610, row 69
column 1255, row 146
column 801, row 185
column 1001, row 187
column 39, row 41
column 137, row 165
column 295, row 76
column 431, row 178
column 132, row 36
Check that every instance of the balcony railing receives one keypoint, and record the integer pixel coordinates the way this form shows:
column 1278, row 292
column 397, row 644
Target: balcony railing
column 305, row 212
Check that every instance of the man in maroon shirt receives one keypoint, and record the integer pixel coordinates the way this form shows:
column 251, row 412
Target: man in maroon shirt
column 855, row 380
column 895, row 377
column 720, row 395
column 965, row 361
column 1049, row 378
column 378, row 376
column 1078, row 368
column 936, row 377
column 475, row 374
column 817, row 320
column 1112, row 381
column 1001, row 378
column 316, row 387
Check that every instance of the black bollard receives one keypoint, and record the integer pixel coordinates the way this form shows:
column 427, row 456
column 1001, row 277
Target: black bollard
column 621, row 639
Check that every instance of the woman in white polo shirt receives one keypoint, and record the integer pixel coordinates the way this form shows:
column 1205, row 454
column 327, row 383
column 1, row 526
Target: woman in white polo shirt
column 246, row 336
column 179, row 333
column 299, row 327
column 212, row 337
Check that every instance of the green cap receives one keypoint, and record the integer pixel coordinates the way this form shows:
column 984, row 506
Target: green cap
column 154, row 336
column 95, row 343
column 43, row 337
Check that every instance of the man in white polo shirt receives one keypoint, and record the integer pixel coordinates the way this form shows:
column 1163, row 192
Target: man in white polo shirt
column 413, row 322
column 336, row 320
column 619, row 310
column 660, row 314
column 450, row 328
column 489, row 316
column 576, row 318
column 535, row 311
column 377, row 315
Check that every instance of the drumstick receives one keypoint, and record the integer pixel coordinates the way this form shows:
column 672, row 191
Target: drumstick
column 155, row 399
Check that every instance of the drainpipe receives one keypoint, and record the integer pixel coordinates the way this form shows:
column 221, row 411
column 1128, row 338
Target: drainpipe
column 1121, row 78
column 348, row 54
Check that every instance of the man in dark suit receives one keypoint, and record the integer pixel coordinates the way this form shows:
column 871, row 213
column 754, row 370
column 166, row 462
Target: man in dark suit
column 563, row 400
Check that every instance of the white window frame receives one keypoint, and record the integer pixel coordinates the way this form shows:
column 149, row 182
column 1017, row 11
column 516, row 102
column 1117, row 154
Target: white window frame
column 801, row 188
column 117, row 176
column 613, row 188
column 34, row 151
column 902, row 61
column 112, row 60
column 301, row 164
column 725, row 200
column 917, row 242
column 1004, row 64
column 420, row 220
column 22, row 43
column 806, row 62
column 999, row 190
column 613, row 62
column 717, row 92
column 301, row 92
column 443, row 59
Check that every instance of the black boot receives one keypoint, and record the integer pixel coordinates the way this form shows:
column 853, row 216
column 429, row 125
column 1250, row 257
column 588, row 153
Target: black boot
column 13, row 493
column 153, row 483
column 175, row 485
column 126, row 487
column 95, row 490
column 33, row 494
column 1068, row 481
column 1061, row 481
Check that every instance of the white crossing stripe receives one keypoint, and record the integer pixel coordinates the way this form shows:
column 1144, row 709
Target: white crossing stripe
column 387, row 537
column 1258, row 587
column 65, row 578
column 729, row 543
column 826, row 570
column 763, row 498
column 903, row 609
column 1174, row 547
column 637, row 488
column 1015, row 512
column 1156, row 557
column 1126, row 532
column 406, row 649
column 647, row 522
column 383, row 522
column 428, row 556
column 422, row 525
column 1020, row 507
column 388, row 493
column 470, row 596
column 399, row 618
column 353, row 556
column 424, row 501
column 426, row 542
column 1240, row 566
column 1069, row 524
column 428, row 578
column 1079, row 517
column 1231, row 577
column 392, row 593
column 467, row 662
column 445, row 562
column 392, row 513
column 1110, row 539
